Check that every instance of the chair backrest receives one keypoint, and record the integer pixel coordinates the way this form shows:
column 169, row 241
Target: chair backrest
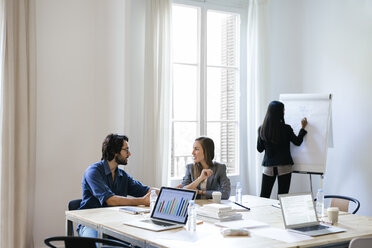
column 78, row 242
column 361, row 242
column 342, row 202
column 74, row 204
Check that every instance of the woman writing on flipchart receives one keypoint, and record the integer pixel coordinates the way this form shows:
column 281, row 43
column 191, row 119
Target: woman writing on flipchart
column 274, row 137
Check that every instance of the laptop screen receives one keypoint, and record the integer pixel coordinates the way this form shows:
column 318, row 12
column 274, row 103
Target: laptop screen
column 172, row 204
column 298, row 209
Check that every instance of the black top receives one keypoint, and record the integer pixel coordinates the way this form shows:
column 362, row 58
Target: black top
column 280, row 154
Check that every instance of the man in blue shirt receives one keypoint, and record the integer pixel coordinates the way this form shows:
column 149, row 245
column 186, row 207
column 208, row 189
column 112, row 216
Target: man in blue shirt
column 104, row 184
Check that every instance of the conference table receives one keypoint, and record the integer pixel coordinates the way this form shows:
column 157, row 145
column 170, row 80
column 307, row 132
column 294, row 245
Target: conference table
column 109, row 222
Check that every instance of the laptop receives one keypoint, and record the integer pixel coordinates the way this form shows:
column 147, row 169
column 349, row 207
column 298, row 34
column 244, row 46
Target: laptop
column 299, row 215
column 170, row 210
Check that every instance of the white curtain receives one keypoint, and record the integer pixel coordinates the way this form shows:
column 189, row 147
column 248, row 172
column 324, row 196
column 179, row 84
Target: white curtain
column 18, row 124
column 157, row 90
column 258, row 88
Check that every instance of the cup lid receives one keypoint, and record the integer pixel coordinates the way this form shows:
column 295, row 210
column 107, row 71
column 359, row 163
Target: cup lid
column 333, row 209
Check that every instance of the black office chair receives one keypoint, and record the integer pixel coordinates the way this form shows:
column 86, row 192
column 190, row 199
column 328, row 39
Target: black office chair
column 72, row 205
column 342, row 202
column 79, row 242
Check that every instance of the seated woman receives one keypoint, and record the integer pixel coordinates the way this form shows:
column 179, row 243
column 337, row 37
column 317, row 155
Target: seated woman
column 205, row 175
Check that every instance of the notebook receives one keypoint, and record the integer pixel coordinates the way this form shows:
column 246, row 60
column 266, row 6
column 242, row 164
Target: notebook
column 170, row 210
column 299, row 215
column 134, row 210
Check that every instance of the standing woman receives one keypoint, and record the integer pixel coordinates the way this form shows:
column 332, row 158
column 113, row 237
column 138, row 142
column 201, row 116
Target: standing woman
column 274, row 137
column 206, row 175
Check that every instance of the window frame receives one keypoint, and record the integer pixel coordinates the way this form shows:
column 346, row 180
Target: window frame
column 225, row 7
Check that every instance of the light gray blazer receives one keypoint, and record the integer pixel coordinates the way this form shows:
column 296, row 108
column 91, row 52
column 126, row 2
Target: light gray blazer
column 218, row 181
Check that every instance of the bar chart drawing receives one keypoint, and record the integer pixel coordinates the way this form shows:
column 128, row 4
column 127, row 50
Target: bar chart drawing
column 173, row 207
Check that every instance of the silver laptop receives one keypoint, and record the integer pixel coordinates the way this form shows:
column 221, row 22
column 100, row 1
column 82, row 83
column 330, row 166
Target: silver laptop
column 299, row 215
column 170, row 210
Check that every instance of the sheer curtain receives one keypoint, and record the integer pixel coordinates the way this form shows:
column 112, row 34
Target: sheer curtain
column 258, row 88
column 18, row 124
column 157, row 90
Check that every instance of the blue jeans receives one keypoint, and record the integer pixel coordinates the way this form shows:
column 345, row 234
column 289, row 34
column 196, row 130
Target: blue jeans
column 87, row 232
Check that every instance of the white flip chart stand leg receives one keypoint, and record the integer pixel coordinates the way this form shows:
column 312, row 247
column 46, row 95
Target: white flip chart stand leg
column 311, row 182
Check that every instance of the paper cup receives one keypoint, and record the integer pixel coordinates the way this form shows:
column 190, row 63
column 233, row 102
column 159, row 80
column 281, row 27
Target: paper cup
column 333, row 214
column 216, row 196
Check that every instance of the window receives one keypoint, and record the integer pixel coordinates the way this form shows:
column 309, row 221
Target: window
column 206, row 81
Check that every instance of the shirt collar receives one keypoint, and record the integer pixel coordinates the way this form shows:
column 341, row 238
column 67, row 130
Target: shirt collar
column 120, row 172
column 108, row 171
column 106, row 167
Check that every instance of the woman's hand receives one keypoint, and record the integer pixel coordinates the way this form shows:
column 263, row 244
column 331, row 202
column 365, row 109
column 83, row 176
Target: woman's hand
column 304, row 122
column 205, row 173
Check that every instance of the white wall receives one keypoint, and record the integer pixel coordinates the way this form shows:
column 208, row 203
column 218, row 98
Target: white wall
column 319, row 46
column 80, row 98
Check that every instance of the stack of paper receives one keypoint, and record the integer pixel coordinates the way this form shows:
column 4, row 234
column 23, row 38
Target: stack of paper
column 218, row 212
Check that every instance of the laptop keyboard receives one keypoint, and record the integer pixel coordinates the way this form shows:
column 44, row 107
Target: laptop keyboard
column 311, row 228
column 159, row 223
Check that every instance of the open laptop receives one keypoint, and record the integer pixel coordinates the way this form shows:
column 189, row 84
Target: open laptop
column 299, row 215
column 170, row 210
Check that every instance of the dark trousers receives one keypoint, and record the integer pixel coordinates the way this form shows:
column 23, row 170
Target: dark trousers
column 284, row 181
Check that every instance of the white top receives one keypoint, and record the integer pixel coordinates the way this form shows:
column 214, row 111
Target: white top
column 282, row 170
column 203, row 186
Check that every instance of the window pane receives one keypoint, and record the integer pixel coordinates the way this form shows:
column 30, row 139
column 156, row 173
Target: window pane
column 224, row 136
column 222, row 39
column 189, row 88
column 214, row 132
column 183, row 137
column 222, row 94
column 184, row 92
column 184, row 34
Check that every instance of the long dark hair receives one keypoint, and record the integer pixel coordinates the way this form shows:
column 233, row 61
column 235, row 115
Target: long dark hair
column 207, row 145
column 112, row 145
column 270, row 129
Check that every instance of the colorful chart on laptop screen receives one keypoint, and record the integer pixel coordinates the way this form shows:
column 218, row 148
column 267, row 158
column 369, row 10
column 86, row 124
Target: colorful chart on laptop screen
column 172, row 205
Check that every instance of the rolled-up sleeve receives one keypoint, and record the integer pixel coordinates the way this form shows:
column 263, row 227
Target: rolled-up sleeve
column 98, row 187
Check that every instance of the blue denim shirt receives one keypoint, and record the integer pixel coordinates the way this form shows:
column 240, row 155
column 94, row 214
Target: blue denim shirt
column 98, row 185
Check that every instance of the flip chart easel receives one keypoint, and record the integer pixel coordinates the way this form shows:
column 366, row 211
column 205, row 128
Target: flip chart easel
column 311, row 157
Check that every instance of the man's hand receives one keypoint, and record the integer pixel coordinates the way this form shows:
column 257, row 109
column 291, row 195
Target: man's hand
column 146, row 199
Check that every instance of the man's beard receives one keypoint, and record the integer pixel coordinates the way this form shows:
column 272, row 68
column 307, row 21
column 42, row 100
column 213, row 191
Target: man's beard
column 121, row 160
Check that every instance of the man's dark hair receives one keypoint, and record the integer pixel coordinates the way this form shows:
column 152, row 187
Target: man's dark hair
column 112, row 145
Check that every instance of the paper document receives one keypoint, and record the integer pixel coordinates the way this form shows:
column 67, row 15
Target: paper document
column 242, row 224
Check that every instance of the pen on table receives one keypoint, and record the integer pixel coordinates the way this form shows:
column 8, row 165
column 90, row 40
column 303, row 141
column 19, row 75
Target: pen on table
column 325, row 222
column 242, row 206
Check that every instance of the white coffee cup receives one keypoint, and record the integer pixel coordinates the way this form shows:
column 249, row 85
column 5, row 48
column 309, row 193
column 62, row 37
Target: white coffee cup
column 333, row 214
column 216, row 196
